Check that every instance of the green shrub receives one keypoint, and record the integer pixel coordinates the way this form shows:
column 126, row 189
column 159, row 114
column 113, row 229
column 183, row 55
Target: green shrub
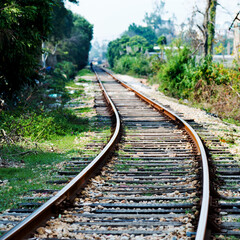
column 66, row 68
column 202, row 82
column 124, row 64
column 181, row 75
column 40, row 124
column 136, row 65
column 85, row 72
column 174, row 76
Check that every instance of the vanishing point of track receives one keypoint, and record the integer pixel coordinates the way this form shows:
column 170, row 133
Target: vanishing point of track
column 155, row 184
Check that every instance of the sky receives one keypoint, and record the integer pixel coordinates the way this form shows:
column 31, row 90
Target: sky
column 112, row 17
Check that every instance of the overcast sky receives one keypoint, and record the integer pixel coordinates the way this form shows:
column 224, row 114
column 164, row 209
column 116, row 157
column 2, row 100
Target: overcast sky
column 112, row 17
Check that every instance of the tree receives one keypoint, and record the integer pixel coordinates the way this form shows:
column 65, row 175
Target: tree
column 208, row 27
column 154, row 19
column 116, row 49
column 146, row 32
column 61, row 29
column 23, row 26
column 157, row 23
column 61, row 23
column 126, row 45
column 211, row 24
column 162, row 41
column 137, row 44
column 76, row 48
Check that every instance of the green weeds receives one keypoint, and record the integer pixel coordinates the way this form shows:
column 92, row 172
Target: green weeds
column 38, row 124
column 134, row 65
column 38, row 138
column 202, row 81
column 33, row 172
column 85, row 72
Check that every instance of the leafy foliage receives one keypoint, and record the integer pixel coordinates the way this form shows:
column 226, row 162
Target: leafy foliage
column 181, row 74
column 68, row 68
column 76, row 48
column 146, row 32
column 61, row 23
column 172, row 74
column 23, row 26
column 116, row 49
column 201, row 81
column 162, row 41
column 39, row 124
column 133, row 65
column 126, row 45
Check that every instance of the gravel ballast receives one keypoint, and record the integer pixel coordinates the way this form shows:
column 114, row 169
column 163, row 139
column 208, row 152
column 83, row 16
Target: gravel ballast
column 223, row 131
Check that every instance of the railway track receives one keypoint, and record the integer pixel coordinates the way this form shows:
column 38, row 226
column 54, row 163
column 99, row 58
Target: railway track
column 99, row 130
column 155, row 186
column 224, row 213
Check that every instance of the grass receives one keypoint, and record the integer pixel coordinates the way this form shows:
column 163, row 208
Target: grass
column 123, row 167
column 85, row 72
column 34, row 173
column 82, row 80
column 30, row 162
column 84, row 110
column 77, row 93
column 231, row 121
column 71, row 84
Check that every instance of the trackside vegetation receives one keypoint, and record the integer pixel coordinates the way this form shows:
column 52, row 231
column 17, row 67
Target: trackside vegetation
column 43, row 47
column 204, row 83
column 42, row 133
column 38, row 35
column 182, row 66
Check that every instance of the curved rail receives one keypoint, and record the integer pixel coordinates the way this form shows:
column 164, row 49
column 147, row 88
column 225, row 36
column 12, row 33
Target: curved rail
column 202, row 223
column 69, row 192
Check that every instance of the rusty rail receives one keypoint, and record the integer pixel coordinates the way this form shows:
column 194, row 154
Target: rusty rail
column 69, row 192
column 202, row 223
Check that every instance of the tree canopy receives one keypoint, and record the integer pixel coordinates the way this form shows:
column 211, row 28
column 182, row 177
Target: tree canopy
column 126, row 46
column 156, row 21
column 76, row 48
column 24, row 25
column 146, row 32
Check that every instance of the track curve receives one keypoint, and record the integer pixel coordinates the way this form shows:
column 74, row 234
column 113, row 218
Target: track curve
column 202, row 223
column 152, row 185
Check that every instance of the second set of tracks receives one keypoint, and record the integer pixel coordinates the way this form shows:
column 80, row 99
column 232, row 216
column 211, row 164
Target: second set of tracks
column 155, row 184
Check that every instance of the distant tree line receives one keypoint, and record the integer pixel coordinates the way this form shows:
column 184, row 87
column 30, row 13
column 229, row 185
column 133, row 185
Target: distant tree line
column 184, row 68
column 128, row 53
column 30, row 28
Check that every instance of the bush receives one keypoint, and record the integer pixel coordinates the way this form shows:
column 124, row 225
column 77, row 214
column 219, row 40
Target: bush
column 39, row 124
column 84, row 72
column 202, row 82
column 66, row 68
column 182, row 75
column 174, row 76
column 136, row 65
column 124, row 64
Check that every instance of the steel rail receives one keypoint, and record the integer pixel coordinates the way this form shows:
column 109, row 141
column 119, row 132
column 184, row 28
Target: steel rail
column 69, row 192
column 202, row 223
